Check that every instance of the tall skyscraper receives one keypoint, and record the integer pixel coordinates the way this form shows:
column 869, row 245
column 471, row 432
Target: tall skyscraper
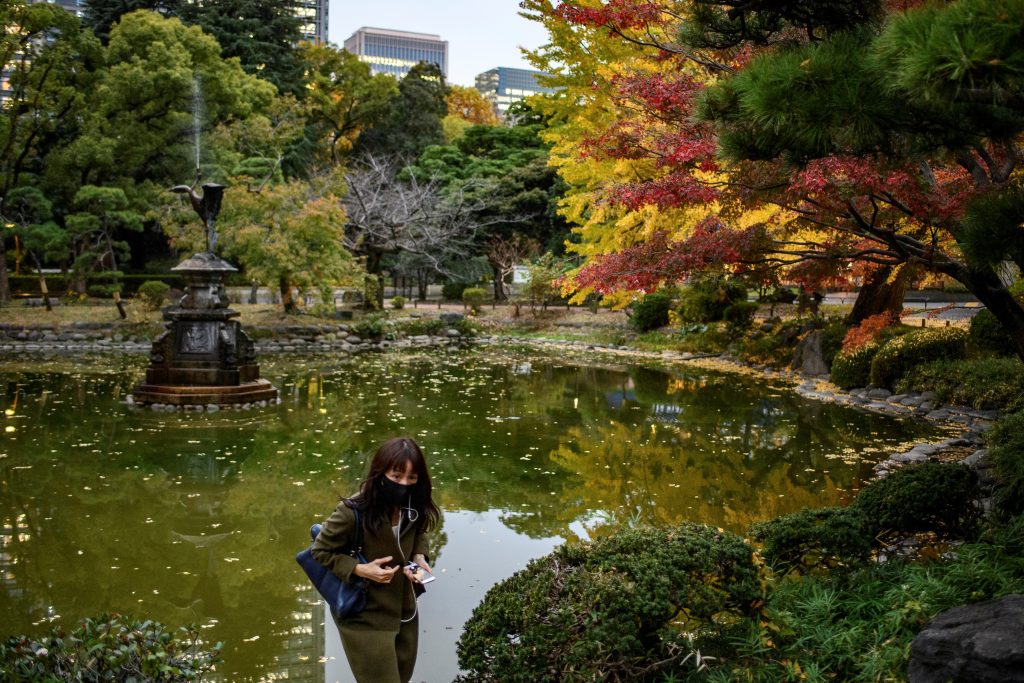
column 313, row 14
column 504, row 85
column 395, row 52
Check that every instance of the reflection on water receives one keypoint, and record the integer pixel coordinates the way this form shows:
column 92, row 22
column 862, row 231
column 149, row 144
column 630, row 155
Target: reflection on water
column 195, row 518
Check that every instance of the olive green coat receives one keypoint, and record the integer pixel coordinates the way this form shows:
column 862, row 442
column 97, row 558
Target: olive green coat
column 386, row 604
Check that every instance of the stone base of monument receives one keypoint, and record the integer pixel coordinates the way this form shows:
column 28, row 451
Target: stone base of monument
column 173, row 395
column 203, row 358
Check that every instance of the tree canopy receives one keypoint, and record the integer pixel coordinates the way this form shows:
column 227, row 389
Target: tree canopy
column 857, row 134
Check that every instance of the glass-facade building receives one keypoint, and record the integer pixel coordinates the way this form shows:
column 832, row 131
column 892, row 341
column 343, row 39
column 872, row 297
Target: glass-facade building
column 395, row 52
column 313, row 15
column 504, row 85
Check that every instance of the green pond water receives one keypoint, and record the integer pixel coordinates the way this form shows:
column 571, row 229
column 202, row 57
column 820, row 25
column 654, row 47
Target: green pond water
column 196, row 518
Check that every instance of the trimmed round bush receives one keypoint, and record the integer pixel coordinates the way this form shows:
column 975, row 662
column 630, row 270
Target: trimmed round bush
column 1006, row 449
column 931, row 496
column 705, row 301
column 604, row 611
column 474, row 297
column 739, row 317
column 823, row 537
column 651, row 312
column 153, row 293
column 896, row 358
column 853, row 369
column 398, row 302
column 988, row 334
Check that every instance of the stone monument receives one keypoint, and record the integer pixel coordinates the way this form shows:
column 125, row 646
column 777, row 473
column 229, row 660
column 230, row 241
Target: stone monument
column 204, row 358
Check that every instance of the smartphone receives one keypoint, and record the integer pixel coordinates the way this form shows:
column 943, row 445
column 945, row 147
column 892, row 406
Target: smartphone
column 421, row 574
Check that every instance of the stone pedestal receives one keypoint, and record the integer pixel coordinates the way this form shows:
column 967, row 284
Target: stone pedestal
column 204, row 357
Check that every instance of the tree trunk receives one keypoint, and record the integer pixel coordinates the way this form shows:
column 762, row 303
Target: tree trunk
column 254, row 292
column 880, row 295
column 43, row 290
column 113, row 268
column 421, row 284
column 990, row 290
column 499, row 284
column 286, row 295
column 5, row 285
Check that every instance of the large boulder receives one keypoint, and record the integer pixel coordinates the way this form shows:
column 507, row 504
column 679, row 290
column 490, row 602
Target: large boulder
column 809, row 358
column 979, row 643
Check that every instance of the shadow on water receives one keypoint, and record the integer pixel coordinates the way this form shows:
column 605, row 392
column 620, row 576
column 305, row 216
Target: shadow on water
column 195, row 518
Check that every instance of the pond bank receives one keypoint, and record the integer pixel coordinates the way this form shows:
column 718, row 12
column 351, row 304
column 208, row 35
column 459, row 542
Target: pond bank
column 965, row 444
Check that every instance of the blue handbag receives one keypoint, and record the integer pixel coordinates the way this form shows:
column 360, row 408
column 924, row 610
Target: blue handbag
column 344, row 598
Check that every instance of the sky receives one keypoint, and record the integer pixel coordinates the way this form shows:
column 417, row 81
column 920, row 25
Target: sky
column 481, row 34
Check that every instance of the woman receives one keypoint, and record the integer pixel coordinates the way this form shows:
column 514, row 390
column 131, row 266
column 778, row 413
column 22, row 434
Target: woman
column 396, row 510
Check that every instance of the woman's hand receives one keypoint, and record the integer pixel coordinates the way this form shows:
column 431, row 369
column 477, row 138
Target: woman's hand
column 376, row 571
column 422, row 562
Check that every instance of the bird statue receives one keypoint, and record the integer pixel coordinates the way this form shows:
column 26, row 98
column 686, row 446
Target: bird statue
column 207, row 206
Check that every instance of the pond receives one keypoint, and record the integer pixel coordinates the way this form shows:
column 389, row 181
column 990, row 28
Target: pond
column 196, row 518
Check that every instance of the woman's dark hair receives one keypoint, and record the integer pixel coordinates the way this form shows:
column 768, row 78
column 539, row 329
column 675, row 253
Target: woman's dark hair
column 397, row 453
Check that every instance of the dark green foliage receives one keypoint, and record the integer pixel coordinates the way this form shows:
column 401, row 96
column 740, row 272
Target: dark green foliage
column 727, row 24
column 977, row 382
column 100, row 15
column 604, row 611
column 109, row 648
column 898, row 356
column 853, row 369
column 452, row 291
column 779, row 295
column 815, row 538
column 1006, row 448
column 705, row 301
column 988, row 334
column 261, row 34
column 651, row 312
column 857, row 626
column 739, row 316
column 931, row 496
column 414, row 119
column 153, row 293
column 832, row 340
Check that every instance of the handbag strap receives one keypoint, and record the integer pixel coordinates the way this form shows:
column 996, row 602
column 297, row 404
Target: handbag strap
column 359, row 526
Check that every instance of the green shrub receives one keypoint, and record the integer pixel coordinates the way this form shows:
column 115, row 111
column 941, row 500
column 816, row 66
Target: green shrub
column 896, row 358
column 428, row 326
column 931, row 496
column 824, row 537
column 606, row 610
column 398, row 302
column 109, row 648
column 857, row 626
column 988, row 334
column 739, row 317
column 452, row 291
column 705, row 300
column 651, row 311
column 853, row 369
column 1006, row 448
column 474, row 298
column 153, row 293
column 975, row 382
column 372, row 326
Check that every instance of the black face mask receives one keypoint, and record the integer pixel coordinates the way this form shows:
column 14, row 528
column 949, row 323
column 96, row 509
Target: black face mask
column 394, row 493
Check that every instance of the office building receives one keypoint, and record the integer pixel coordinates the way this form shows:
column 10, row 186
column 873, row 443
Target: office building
column 395, row 52
column 313, row 14
column 504, row 85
